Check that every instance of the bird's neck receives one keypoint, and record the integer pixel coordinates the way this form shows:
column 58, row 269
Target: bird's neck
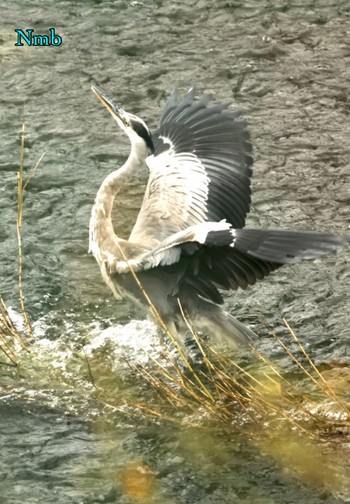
column 102, row 235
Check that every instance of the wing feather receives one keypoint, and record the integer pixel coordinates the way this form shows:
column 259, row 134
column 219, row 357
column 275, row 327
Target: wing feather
column 196, row 202
column 200, row 170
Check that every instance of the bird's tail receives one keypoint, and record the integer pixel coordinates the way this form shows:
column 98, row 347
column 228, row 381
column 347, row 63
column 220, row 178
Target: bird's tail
column 213, row 320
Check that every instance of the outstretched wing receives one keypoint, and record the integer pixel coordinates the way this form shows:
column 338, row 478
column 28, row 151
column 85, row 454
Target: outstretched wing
column 200, row 170
column 213, row 256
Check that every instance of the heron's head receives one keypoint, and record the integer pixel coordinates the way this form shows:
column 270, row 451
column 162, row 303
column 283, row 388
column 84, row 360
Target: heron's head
column 134, row 127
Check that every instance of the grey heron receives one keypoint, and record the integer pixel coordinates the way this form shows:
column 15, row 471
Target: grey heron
column 189, row 240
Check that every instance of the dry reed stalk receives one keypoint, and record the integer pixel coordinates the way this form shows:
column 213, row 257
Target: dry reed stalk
column 21, row 187
column 324, row 385
column 228, row 383
column 8, row 329
column 20, row 196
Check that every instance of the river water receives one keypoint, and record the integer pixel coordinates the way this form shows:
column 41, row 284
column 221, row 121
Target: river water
column 287, row 66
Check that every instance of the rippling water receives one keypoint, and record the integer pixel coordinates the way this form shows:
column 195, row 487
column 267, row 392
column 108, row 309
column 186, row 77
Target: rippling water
column 287, row 65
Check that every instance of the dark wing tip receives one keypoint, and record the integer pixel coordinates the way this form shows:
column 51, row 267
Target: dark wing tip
column 287, row 246
column 219, row 138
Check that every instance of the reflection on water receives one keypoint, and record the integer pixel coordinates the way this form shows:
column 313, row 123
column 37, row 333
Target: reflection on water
column 69, row 428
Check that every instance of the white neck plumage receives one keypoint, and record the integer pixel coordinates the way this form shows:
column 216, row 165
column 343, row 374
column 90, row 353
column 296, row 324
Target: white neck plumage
column 101, row 227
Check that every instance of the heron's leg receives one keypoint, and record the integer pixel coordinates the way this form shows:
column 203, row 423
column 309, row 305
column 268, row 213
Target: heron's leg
column 173, row 334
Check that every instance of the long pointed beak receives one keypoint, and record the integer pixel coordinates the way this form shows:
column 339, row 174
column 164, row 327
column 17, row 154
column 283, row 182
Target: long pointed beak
column 116, row 111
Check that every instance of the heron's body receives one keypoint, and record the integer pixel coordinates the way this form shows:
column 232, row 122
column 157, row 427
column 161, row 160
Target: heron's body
column 189, row 239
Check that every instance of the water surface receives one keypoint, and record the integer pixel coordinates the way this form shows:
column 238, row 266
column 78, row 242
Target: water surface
column 286, row 64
